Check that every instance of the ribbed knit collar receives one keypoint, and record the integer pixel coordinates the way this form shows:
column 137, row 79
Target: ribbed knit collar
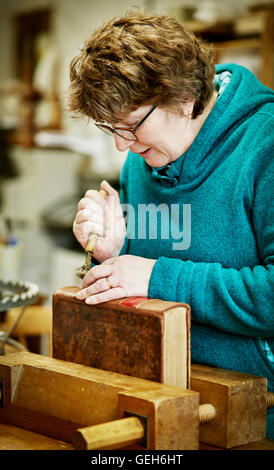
column 170, row 173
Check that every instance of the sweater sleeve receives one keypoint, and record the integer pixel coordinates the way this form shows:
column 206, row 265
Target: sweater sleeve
column 237, row 301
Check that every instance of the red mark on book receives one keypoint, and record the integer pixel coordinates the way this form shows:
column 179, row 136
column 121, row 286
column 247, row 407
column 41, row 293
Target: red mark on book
column 133, row 301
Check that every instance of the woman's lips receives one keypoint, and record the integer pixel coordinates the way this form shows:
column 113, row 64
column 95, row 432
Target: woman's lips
column 146, row 153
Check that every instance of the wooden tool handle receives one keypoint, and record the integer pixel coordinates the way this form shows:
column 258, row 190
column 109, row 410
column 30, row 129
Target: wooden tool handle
column 90, row 246
column 113, row 435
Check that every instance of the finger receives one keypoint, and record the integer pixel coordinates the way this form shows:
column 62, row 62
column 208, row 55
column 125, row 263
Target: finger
column 82, row 215
column 81, row 232
column 95, row 273
column 95, row 196
column 100, row 285
column 110, row 261
column 84, row 229
column 111, row 294
column 93, row 206
column 84, row 202
column 97, row 287
column 89, row 215
column 108, row 188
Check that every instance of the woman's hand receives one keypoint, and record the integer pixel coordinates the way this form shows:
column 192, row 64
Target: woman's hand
column 123, row 276
column 104, row 218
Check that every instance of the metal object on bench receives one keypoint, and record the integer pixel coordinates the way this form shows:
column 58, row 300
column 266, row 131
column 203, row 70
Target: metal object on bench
column 15, row 294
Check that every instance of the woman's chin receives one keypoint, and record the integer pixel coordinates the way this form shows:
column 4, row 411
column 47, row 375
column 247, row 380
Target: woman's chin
column 153, row 158
column 146, row 154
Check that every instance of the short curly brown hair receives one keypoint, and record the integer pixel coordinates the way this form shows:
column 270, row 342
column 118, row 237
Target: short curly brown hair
column 140, row 59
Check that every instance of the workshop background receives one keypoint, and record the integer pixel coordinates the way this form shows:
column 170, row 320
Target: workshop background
column 48, row 159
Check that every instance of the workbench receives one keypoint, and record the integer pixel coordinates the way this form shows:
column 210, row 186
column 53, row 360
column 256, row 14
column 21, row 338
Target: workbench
column 50, row 404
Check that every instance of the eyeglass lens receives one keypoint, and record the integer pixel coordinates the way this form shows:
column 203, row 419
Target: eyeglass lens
column 128, row 135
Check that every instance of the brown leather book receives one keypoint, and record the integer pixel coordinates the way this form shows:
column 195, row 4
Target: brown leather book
column 141, row 337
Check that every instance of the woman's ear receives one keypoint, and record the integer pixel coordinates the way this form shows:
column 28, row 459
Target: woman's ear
column 187, row 109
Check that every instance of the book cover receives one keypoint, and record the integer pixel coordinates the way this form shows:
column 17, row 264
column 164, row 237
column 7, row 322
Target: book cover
column 141, row 337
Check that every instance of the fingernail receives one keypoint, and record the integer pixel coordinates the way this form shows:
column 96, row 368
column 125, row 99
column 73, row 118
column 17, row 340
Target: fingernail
column 80, row 295
column 90, row 301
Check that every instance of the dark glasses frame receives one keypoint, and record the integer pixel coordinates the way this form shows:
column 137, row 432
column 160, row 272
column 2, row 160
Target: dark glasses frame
column 115, row 130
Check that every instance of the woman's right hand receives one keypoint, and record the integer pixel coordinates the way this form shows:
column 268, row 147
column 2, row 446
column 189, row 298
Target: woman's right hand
column 103, row 217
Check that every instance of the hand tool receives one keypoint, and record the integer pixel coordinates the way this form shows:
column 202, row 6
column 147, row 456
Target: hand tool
column 90, row 248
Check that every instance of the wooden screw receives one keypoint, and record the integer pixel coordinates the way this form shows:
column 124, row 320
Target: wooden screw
column 207, row 413
column 269, row 399
column 127, row 431
column 113, row 435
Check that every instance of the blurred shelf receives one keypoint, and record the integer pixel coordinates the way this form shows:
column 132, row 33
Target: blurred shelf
column 240, row 43
column 253, row 33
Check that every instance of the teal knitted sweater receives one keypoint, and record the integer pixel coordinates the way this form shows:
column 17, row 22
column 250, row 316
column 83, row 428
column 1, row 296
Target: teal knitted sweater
column 215, row 249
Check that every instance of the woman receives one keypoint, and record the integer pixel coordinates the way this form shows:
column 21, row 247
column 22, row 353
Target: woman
column 200, row 167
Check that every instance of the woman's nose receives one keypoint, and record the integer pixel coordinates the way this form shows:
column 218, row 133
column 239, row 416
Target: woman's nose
column 121, row 143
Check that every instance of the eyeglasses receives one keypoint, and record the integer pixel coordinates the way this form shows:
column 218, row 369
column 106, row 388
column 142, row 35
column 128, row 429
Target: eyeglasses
column 127, row 133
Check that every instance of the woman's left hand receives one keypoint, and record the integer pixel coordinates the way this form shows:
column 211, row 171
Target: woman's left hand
column 115, row 278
